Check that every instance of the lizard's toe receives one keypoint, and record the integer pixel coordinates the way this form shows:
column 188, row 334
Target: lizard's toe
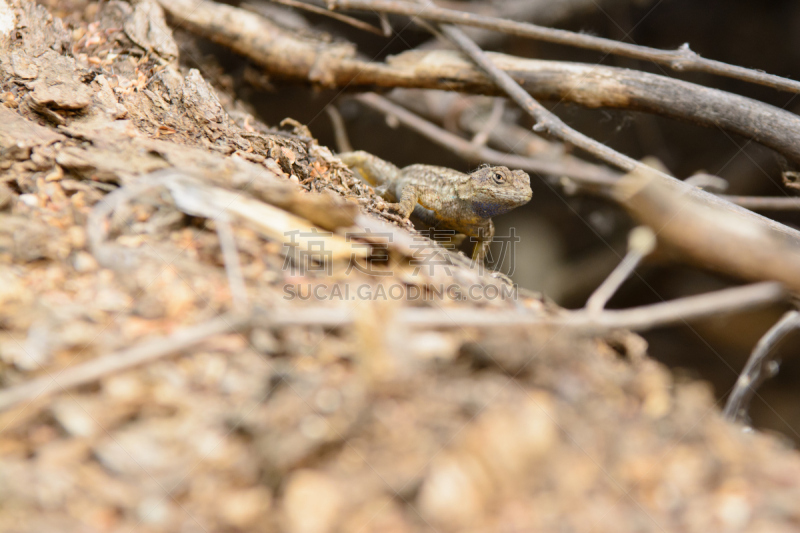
column 399, row 208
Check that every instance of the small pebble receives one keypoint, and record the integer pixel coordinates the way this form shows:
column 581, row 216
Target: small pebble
column 31, row 200
column 312, row 503
column 85, row 262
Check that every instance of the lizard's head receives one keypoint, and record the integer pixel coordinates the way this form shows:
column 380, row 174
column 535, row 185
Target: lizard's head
column 498, row 190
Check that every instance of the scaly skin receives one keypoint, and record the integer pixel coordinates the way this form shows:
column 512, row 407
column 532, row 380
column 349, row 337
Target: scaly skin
column 446, row 198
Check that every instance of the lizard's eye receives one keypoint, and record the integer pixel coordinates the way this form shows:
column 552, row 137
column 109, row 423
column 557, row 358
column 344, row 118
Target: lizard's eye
column 498, row 178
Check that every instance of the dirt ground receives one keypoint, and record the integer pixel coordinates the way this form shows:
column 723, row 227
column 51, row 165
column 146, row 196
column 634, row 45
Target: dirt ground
column 354, row 423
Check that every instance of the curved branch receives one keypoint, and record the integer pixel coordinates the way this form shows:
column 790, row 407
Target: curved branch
column 759, row 368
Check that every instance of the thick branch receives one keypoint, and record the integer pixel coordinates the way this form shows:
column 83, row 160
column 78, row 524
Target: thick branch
column 711, row 234
column 595, row 86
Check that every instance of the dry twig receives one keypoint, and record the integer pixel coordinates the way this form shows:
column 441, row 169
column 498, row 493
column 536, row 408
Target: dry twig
column 457, row 111
column 539, row 11
column 760, row 367
column 591, row 176
column 100, row 367
column 495, row 117
column 546, row 122
column 682, row 59
column 361, row 25
column 339, row 129
column 578, row 322
column 765, row 203
column 641, row 242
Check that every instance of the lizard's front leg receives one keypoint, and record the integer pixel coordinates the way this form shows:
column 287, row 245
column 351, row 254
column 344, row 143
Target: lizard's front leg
column 408, row 200
column 485, row 234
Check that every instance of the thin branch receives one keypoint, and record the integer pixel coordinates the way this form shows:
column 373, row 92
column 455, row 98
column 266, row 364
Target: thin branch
column 589, row 175
column 682, row 59
column 361, row 25
column 708, row 182
column 386, row 27
column 468, row 113
column 543, row 12
column 685, row 309
column 145, row 352
column 580, row 322
column 230, row 255
column 760, row 367
column 482, row 136
column 641, row 242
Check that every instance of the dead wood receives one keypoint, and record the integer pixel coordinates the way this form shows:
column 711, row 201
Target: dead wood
column 682, row 59
column 286, row 56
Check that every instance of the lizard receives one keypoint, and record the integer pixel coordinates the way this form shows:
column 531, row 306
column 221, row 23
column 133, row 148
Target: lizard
column 445, row 198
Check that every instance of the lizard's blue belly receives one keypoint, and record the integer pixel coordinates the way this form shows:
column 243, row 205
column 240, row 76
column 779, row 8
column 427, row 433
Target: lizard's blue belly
column 490, row 209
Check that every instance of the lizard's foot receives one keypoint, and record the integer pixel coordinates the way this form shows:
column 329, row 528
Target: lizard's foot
column 399, row 208
column 479, row 253
column 485, row 234
column 396, row 218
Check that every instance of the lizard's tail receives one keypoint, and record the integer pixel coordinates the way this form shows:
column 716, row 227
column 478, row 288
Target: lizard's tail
column 368, row 167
